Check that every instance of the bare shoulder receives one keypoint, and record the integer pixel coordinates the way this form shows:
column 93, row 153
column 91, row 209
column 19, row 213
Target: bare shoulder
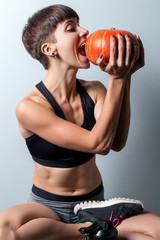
column 95, row 89
column 34, row 99
column 27, row 109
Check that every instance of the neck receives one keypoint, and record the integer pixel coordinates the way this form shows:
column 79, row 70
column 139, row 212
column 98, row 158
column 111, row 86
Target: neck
column 61, row 83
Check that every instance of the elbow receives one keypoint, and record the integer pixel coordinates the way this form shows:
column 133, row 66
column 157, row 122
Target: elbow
column 118, row 147
column 103, row 148
column 100, row 148
column 104, row 151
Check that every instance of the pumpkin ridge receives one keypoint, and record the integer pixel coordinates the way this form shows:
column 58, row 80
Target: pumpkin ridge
column 99, row 43
column 91, row 47
column 104, row 44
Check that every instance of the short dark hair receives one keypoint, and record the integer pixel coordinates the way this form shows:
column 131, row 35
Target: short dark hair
column 40, row 26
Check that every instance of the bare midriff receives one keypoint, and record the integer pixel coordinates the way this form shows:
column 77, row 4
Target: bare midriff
column 68, row 181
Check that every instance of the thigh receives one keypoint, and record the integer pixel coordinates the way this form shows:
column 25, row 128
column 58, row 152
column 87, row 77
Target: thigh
column 18, row 215
column 145, row 223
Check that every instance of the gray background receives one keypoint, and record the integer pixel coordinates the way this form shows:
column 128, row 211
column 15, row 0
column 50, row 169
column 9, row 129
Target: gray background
column 133, row 172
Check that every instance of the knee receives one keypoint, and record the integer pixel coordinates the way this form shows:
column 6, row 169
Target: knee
column 7, row 232
column 7, row 229
column 153, row 226
column 153, row 233
column 156, row 234
column 5, row 222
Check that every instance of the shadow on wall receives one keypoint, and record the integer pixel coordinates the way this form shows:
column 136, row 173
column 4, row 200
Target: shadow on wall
column 146, row 147
column 134, row 172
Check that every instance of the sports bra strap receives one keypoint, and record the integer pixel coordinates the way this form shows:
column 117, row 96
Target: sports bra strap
column 46, row 93
column 87, row 102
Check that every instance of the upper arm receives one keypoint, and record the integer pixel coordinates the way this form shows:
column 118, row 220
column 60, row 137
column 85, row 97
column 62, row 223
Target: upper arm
column 97, row 92
column 46, row 124
column 100, row 97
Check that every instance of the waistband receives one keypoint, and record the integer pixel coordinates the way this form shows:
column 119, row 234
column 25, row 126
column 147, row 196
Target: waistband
column 54, row 197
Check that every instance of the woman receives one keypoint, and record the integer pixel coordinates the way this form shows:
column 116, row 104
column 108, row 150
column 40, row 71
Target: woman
column 65, row 122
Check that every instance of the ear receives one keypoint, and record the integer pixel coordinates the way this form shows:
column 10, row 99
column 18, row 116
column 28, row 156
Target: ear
column 48, row 49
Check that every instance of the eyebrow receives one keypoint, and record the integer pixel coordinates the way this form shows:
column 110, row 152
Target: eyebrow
column 71, row 21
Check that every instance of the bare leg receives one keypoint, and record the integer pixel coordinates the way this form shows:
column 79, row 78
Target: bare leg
column 48, row 229
column 7, row 233
column 144, row 226
column 31, row 221
column 134, row 236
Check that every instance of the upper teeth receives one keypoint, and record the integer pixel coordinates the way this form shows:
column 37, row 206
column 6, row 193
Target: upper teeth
column 82, row 44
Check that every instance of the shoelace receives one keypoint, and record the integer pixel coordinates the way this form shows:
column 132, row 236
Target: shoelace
column 116, row 221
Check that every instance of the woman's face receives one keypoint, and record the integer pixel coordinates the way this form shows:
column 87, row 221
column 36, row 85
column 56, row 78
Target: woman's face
column 70, row 40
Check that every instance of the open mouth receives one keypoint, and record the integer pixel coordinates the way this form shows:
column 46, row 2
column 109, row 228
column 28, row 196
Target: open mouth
column 81, row 49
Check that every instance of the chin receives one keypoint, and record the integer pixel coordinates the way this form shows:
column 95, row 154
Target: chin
column 85, row 66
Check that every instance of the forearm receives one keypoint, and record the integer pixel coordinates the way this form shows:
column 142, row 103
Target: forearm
column 115, row 116
column 124, row 120
column 104, row 131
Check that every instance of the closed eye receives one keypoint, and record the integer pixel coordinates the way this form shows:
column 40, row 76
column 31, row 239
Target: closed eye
column 71, row 30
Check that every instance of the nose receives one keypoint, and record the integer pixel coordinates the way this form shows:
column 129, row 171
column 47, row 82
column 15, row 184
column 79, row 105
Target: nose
column 83, row 32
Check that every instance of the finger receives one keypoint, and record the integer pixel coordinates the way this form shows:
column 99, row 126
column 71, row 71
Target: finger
column 100, row 59
column 134, row 54
column 128, row 50
column 142, row 55
column 141, row 60
column 121, row 50
column 100, row 62
column 113, row 51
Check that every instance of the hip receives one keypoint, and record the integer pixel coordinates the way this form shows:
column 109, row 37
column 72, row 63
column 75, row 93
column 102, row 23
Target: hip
column 64, row 205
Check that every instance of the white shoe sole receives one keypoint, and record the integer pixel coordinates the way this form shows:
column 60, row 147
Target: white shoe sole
column 106, row 203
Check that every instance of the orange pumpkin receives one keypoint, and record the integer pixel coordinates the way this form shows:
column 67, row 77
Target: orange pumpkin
column 98, row 43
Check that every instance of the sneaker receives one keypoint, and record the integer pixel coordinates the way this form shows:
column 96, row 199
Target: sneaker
column 115, row 210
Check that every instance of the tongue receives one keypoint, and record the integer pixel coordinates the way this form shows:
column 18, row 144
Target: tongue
column 82, row 52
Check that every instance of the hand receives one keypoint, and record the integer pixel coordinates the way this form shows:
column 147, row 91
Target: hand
column 122, row 57
column 141, row 60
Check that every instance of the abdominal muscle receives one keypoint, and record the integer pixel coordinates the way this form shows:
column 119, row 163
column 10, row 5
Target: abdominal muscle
column 68, row 181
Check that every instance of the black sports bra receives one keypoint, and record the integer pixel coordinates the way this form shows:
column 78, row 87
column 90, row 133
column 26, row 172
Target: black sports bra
column 51, row 155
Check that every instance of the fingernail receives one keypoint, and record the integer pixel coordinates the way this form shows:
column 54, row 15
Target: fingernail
column 120, row 34
column 127, row 35
column 101, row 56
column 135, row 45
column 113, row 36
